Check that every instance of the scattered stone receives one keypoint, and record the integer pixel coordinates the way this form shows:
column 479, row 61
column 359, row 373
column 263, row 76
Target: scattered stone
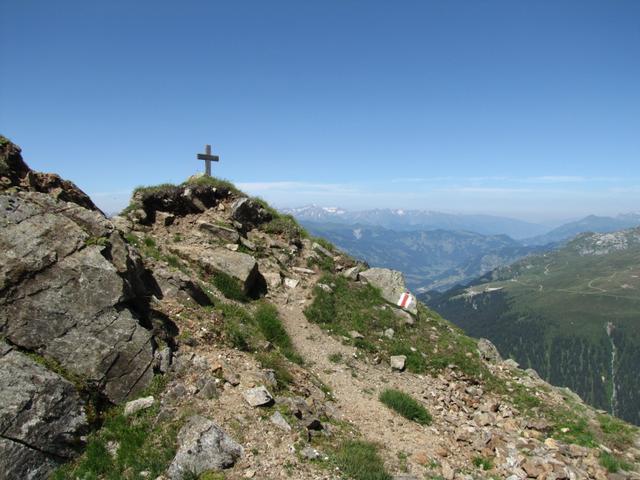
column 447, row 471
column 279, row 421
column 397, row 362
column 313, row 423
column 404, row 316
column 324, row 287
column 209, row 390
column 203, row 446
column 352, row 273
column 225, row 233
column 306, row 271
column 138, row 405
column 356, row 335
column 248, row 244
column 291, row 282
column 310, row 453
column 316, row 247
column 232, row 246
column 258, row 396
column 389, row 332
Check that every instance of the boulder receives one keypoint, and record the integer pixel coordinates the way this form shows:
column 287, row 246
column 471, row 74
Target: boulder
column 42, row 418
column 279, row 421
column 179, row 286
column 258, row 397
column 249, row 213
column 203, row 446
column 225, row 233
column 68, row 285
column 397, row 362
column 488, row 351
column 352, row 273
column 241, row 266
column 392, row 287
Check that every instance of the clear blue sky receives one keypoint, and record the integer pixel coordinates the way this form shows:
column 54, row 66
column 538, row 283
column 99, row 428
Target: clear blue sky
column 525, row 108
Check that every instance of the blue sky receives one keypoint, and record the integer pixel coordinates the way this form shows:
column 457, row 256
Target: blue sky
column 523, row 108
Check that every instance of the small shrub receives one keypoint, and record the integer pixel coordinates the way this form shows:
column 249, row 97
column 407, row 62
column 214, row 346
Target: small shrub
column 173, row 261
column 406, row 406
column 229, row 287
column 483, row 463
column 131, row 239
column 220, row 183
column 360, row 461
column 284, row 225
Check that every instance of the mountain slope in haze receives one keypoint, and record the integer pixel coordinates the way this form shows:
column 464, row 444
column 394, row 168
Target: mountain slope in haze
column 400, row 219
column 591, row 223
column 434, row 259
column 572, row 314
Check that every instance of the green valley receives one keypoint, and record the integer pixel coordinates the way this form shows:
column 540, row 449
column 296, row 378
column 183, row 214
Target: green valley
column 573, row 315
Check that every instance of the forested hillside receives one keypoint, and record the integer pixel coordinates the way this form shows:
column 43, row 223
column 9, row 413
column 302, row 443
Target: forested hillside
column 572, row 315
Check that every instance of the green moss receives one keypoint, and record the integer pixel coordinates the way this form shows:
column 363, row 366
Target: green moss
column 406, row 406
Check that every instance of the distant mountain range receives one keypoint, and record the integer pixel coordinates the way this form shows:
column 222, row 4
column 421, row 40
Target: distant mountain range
column 401, row 220
column 433, row 259
column 438, row 250
column 572, row 314
column 592, row 223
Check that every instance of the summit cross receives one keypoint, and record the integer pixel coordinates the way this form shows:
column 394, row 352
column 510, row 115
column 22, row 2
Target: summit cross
column 208, row 158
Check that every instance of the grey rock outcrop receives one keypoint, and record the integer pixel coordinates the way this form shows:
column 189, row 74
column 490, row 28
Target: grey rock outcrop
column 249, row 213
column 67, row 288
column 241, row 266
column 42, row 418
column 391, row 285
column 203, row 446
column 258, row 396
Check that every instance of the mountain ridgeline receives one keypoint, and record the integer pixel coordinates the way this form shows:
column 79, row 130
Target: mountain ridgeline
column 572, row 314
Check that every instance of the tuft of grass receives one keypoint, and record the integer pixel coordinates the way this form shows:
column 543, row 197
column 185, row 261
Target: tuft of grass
column 359, row 460
column 100, row 241
column 274, row 361
column 144, row 444
column 284, row 225
column 326, row 264
column 230, row 287
column 406, row 406
column 335, row 357
column 616, row 433
column 237, row 326
column 482, row 463
column 269, row 323
column 214, row 182
column 612, row 463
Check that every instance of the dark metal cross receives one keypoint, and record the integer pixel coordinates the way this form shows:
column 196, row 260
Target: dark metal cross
column 208, row 158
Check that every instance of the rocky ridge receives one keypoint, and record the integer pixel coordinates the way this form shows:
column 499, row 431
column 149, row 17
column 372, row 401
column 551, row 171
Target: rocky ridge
column 213, row 291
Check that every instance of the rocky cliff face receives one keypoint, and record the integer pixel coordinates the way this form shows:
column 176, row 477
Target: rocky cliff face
column 72, row 294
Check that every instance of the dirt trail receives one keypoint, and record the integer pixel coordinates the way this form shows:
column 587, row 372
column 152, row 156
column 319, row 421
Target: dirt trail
column 356, row 386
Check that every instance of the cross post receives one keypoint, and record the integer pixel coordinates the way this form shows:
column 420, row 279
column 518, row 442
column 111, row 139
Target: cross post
column 208, row 158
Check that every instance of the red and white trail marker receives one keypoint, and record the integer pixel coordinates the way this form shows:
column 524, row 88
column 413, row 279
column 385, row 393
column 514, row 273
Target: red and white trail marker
column 405, row 300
